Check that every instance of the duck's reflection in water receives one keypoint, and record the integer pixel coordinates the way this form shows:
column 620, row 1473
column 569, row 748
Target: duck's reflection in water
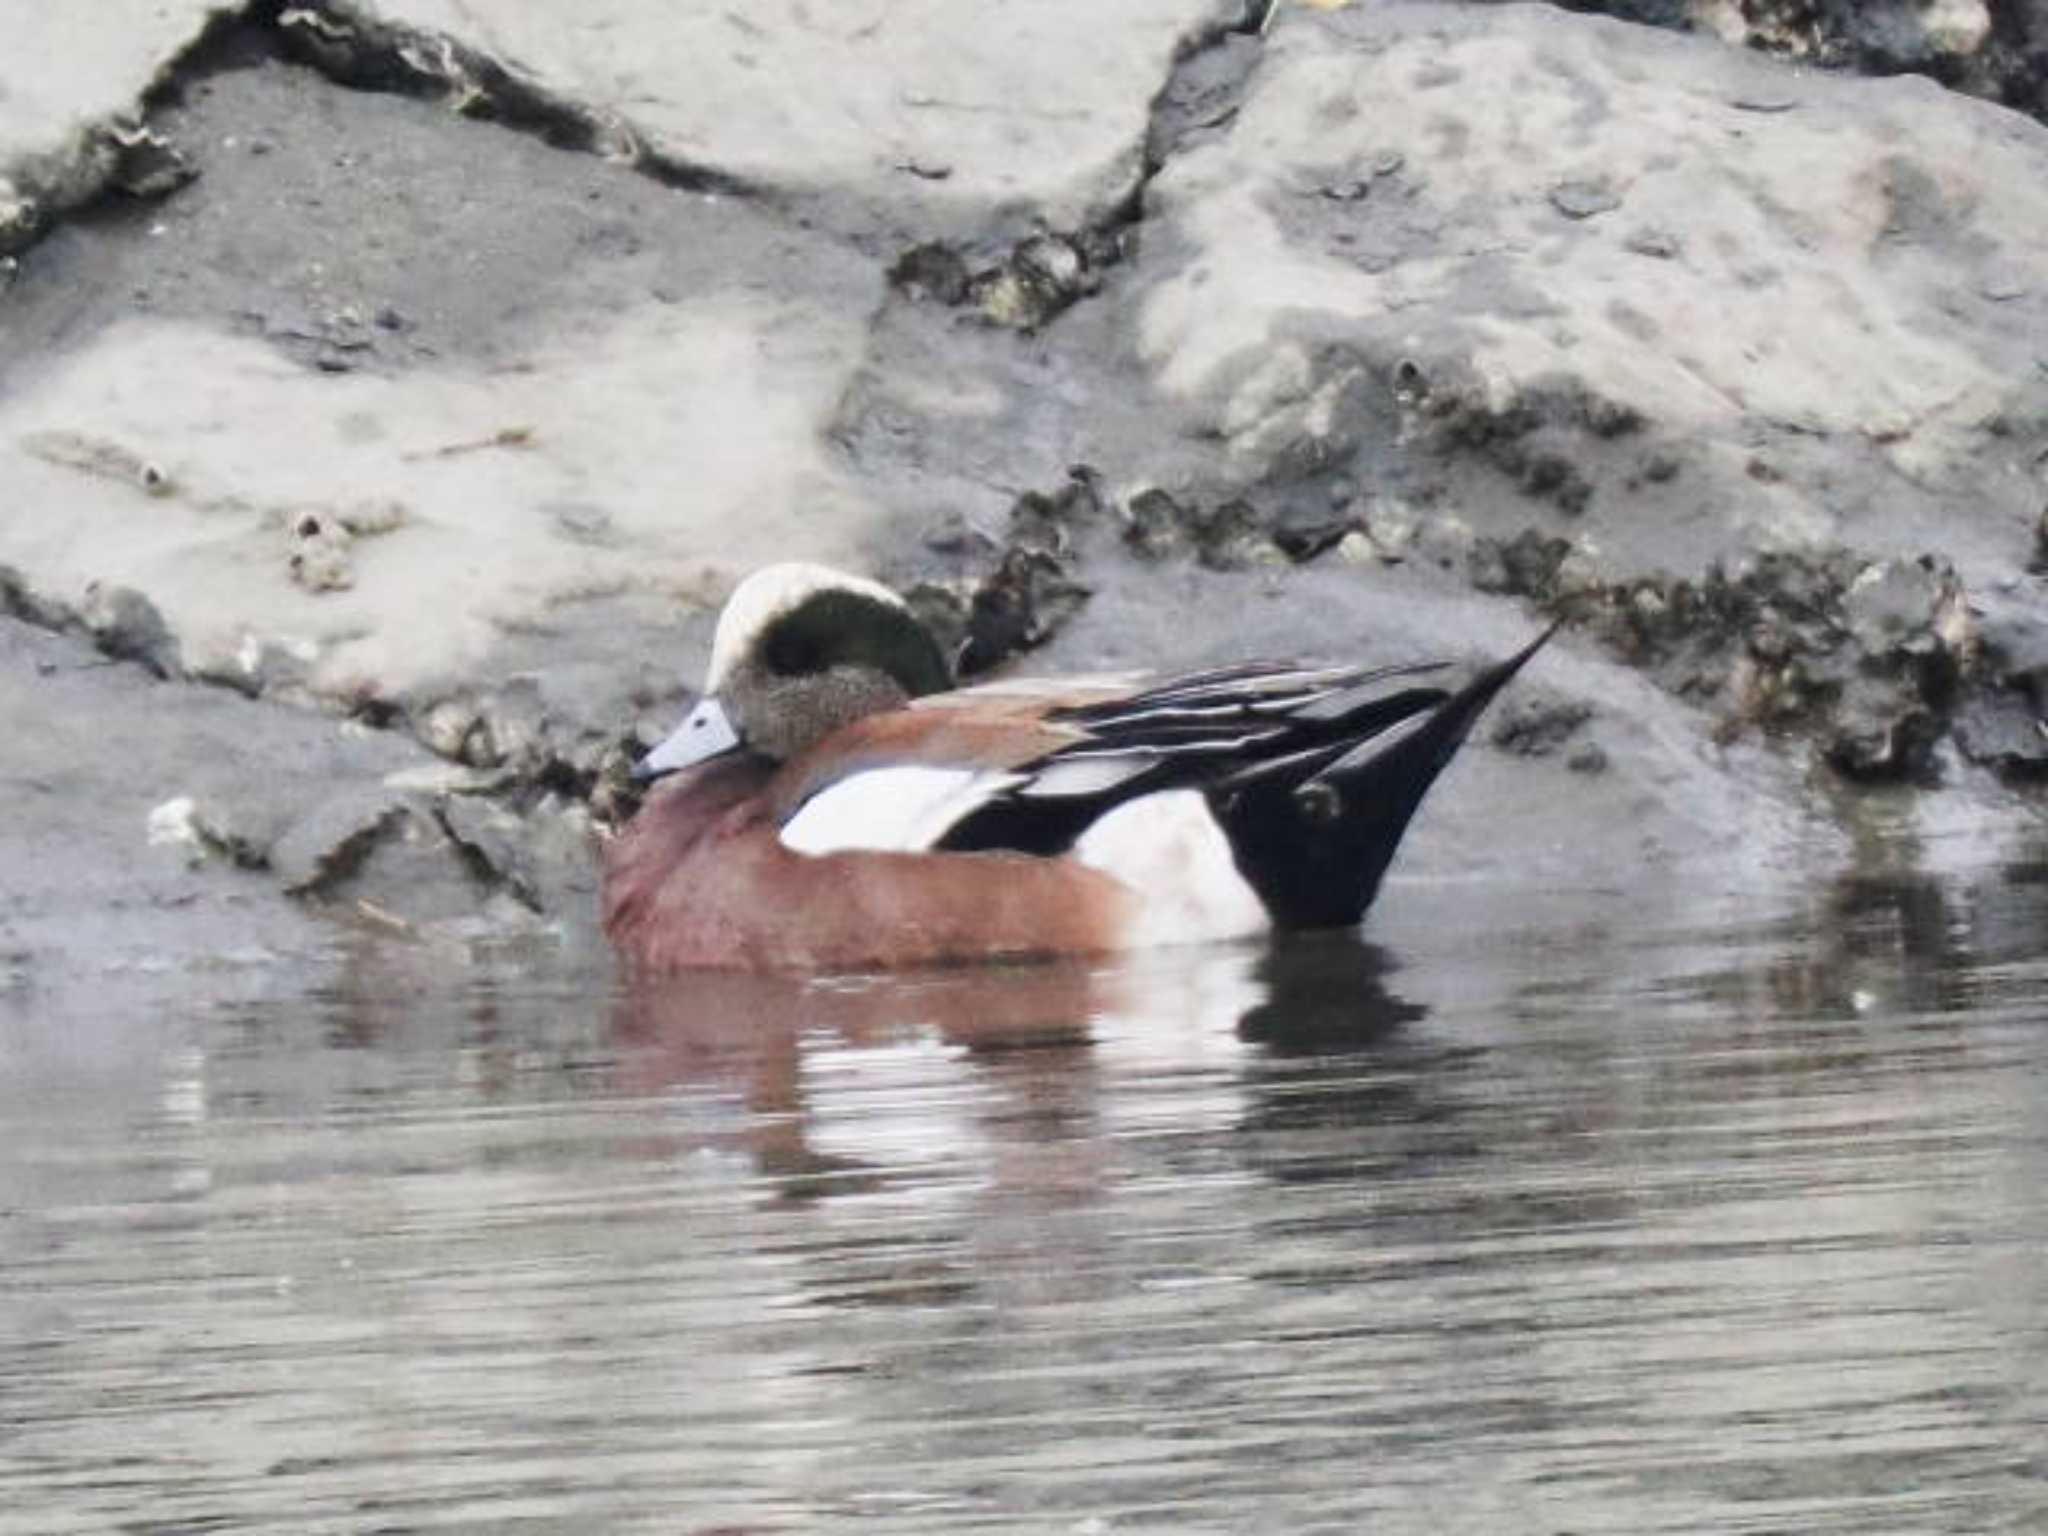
column 1012, row 1058
column 767, row 1040
column 1325, row 993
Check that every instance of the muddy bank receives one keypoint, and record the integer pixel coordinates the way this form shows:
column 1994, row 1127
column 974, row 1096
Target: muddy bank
column 385, row 420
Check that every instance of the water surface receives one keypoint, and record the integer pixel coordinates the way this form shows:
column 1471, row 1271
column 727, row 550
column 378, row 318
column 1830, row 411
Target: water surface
column 1525, row 1216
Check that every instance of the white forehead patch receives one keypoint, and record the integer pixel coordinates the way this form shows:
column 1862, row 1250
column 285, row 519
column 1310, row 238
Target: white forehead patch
column 765, row 597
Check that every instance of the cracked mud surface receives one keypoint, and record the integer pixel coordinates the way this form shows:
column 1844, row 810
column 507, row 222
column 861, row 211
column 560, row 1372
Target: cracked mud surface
column 381, row 426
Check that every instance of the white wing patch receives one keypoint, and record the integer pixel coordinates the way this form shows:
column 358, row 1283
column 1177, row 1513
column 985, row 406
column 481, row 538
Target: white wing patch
column 1168, row 849
column 904, row 809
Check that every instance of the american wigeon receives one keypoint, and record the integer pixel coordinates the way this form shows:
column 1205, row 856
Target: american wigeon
column 833, row 804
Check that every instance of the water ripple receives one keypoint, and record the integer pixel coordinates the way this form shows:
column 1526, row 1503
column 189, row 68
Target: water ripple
column 1587, row 1228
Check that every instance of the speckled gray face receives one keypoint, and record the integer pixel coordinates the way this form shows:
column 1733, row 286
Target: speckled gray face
column 704, row 733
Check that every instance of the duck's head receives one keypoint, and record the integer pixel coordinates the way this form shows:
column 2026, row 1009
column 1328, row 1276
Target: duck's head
column 801, row 650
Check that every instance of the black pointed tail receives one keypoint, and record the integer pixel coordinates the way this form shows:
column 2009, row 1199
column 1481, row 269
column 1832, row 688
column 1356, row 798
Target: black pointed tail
column 1314, row 843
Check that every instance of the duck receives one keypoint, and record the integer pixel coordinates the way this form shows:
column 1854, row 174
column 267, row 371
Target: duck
column 833, row 803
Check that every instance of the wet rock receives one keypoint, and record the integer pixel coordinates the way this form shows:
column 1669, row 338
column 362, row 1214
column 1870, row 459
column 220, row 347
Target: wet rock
column 98, row 751
column 2005, row 731
column 68, row 95
column 559, row 849
column 933, row 270
column 1154, row 524
column 353, row 44
column 1910, row 628
column 1007, row 598
column 21, row 218
column 668, row 89
column 1883, row 734
column 257, row 666
column 1017, row 607
column 1526, row 434
column 1305, row 527
column 2012, row 633
column 1035, row 280
column 1056, row 522
column 419, row 878
column 1201, row 94
column 1229, row 536
column 1992, row 50
column 1391, row 524
column 146, row 164
column 1525, row 566
column 440, row 780
column 460, row 730
column 1539, row 725
column 408, row 864
column 1774, row 607
column 20, row 600
column 1871, row 657
column 199, row 832
column 1587, row 758
column 1908, row 610
column 612, row 794
column 523, row 732
column 2003, row 724
column 492, row 845
column 1514, row 439
column 1517, row 377
column 127, row 626
column 1553, row 476
column 1043, row 276
column 330, row 843
column 1357, row 548
column 1446, row 542
column 1579, row 574
column 959, row 538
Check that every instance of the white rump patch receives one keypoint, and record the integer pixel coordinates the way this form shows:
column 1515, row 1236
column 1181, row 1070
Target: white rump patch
column 904, row 809
column 1168, row 849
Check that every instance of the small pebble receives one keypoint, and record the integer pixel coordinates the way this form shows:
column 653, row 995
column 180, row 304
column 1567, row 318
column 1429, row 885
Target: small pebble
column 1584, row 199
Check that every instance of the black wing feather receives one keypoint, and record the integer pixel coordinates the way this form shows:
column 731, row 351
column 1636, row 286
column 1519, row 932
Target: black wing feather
column 1255, row 723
